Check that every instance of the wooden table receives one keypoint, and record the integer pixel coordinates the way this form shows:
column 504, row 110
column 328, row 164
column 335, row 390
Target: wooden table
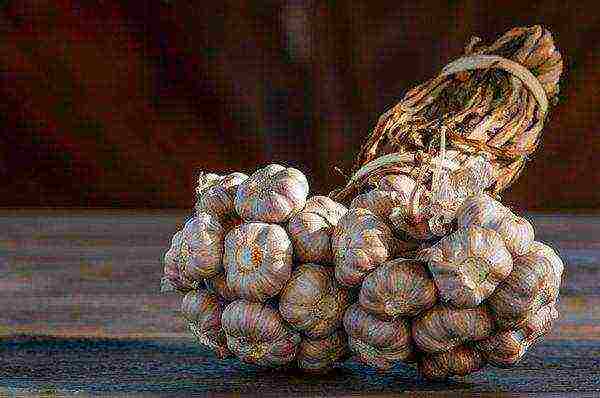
column 80, row 314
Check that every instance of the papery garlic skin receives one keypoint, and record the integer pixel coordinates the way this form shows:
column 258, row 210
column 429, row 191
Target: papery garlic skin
column 272, row 194
column 203, row 236
column 468, row 265
column 378, row 343
column 311, row 229
column 202, row 310
column 460, row 361
column 361, row 242
column 258, row 260
column 313, row 302
column 399, row 287
column 443, row 328
column 322, row 355
column 257, row 334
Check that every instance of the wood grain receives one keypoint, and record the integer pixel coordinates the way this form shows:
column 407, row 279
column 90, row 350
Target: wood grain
column 80, row 313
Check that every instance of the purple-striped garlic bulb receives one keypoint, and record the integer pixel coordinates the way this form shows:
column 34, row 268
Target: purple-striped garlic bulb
column 272, row 194
column 460, row 361
column 174, row 260
column 533, row 283
column 258, row 260
column 311, row 229
column 484, row 211
column 401, row 202
column 506, row 348
column 443, row 328
column 322, row 355
column 378, row 343
column 468, row 264
column 203, row 240
column 216, row 196
column 202, row 311
column 257, row 334
column 399, row 288
column 313, row 302
column 361, row 242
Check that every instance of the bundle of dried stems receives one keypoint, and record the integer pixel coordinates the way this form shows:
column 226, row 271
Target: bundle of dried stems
column 492, row 101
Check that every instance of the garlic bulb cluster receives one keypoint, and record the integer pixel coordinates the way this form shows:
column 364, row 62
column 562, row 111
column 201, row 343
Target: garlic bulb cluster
column 255, row 266
column 448, row 280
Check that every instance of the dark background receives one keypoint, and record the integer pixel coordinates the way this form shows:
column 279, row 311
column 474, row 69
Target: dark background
column 120, row 104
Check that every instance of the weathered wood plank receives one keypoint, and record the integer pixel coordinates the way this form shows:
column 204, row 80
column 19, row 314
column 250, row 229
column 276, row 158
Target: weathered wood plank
column 90, row 280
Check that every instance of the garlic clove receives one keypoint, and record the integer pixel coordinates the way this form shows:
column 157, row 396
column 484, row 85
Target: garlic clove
column 313, row 302
column 443, row 328
column 398, row 288
column 378, row 343
column 257, row 334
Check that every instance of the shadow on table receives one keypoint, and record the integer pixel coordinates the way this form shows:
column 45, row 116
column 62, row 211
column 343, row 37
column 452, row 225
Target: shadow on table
column 179, row 368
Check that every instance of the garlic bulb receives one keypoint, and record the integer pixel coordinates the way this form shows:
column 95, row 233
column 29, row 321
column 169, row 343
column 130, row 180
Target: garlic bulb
column 203, row 236
column 272, row 194
column 257, row 334
column 506, row 348
column 381, row 203
column 481, row 210
column 378, row 343
column 322, row 354
column 218, row 285
column 458, row 362
column 468, row 265
column 258, row 260
column 443, row 328
column 533, row 283
column 313, row 302
column 202, row 311
column 401, row 202
column 173, row 261
column 404, row 186
column 361, row 242
column 216, row 195
column 311, row 229
column 516, row 232
column 398, row 288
